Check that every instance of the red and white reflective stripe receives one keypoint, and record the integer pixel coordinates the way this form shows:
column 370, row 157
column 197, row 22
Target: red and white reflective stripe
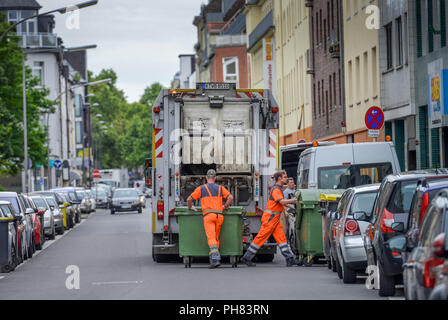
column 250, row 95
column 159, row 143
column 272, row 143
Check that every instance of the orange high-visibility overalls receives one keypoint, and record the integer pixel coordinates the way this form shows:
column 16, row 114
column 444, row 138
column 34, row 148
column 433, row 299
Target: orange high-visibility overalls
column 212, row 196
column 270, row 225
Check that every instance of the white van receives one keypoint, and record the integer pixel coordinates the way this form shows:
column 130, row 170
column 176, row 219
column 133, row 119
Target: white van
column 346, row 165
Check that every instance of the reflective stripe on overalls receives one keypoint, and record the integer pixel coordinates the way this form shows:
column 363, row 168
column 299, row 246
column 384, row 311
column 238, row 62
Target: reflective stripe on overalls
column 270, row 225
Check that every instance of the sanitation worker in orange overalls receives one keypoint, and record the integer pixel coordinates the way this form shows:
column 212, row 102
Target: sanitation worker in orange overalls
column 270, row 223
column 212, row 195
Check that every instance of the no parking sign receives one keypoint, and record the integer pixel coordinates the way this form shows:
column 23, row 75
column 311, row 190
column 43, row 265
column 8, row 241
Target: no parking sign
column 374, row 121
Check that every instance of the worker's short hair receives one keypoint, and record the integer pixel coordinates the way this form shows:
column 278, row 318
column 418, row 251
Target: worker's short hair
column 211, row 173
column 291, row 179
column 279, row 174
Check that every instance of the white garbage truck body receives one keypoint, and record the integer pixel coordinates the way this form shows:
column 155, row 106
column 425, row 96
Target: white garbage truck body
column 216, row 127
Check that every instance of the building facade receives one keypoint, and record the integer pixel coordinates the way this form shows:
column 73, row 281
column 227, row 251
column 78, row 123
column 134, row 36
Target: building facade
column 326, row 48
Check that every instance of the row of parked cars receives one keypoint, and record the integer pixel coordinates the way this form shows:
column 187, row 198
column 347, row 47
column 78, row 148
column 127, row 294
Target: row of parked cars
column 396, row 232
column 37, row 216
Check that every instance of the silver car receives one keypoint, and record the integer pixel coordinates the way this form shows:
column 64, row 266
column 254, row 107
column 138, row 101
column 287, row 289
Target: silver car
column 49, row 218
column 58, row 214
column 126, row 200
column 351, row 254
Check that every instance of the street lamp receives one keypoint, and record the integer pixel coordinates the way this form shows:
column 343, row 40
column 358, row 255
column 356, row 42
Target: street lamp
column 25, row 126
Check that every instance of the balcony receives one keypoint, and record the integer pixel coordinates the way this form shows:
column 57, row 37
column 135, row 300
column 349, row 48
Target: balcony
column 38, row 40
column 231, row 40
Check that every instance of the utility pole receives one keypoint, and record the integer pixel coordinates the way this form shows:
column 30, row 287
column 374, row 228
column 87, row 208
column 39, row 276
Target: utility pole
column 25, row 186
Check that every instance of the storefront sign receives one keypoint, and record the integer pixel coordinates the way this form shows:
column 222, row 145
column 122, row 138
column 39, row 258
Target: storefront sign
column 269, row 64
column 436, row 84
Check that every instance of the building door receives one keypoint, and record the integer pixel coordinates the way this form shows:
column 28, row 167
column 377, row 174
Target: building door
column 399, row 142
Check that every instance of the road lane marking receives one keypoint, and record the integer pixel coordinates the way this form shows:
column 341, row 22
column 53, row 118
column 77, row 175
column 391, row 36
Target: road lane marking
column 115, row 283
column 2, row 277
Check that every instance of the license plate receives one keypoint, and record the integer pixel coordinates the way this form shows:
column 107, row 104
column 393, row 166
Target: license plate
column 126, row 207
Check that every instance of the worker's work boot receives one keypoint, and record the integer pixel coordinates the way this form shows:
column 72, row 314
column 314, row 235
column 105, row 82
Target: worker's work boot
column 248, row 262
column 290, row 262
column 215, row 257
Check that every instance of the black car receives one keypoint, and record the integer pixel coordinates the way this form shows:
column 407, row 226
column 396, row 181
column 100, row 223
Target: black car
column 430, row 254
column 125, row 200
column 391, row 212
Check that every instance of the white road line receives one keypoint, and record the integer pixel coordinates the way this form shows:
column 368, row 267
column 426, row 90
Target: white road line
column 115, row 283
column 2, row 277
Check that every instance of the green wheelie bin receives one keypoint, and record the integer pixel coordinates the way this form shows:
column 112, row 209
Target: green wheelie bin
column 193, row 241
column 309, row 238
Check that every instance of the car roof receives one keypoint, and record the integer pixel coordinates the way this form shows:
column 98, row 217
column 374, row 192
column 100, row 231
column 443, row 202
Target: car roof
column 412, row 175
column 366, row 188
column 9, row 194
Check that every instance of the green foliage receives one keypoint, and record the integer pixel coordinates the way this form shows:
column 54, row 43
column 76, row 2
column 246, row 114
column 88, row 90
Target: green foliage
column 11, row 109
column 128, row 139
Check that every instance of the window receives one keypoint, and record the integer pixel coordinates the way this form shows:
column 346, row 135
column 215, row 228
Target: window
column 401, row 198
column 304, row 171
column 230, row 70
column 389, row 49
column 399, row 42
column 12, row 16
column 78, row 106
column 78, row 132
column 363, row 202
column 38, row 72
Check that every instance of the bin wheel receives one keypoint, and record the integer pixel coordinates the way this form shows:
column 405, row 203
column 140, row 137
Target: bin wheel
column 234, row 261
column 187, row 262
column 308, row 261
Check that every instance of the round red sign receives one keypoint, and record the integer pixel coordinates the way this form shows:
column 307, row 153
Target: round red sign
column 374, row 118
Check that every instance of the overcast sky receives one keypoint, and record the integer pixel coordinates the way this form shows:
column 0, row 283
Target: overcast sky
column 140, row 39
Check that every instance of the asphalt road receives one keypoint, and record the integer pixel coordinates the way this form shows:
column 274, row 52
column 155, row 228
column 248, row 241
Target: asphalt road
column 113, row 256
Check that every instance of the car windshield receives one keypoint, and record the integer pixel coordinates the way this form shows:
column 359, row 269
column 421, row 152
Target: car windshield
column 401, row 198
column 344, row 177
column 13, row 201
column 125, row 194
column 81, row 194
column 363, row 202
column 72, row 196
column 6, row 211
column 40, row 203
column 99, row 194
column 51, row 202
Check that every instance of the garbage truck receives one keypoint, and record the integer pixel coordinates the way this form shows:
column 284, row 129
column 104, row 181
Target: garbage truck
column 215, row 126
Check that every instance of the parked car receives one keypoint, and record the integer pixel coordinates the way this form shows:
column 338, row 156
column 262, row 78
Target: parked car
column 15, row 236
column 49, row 218
column 19, row 207
column 429, row 256
column 126, row 200
column 351, row 256
column 92, row 200
column 102, row 200
column 440, row 291
column 39, row 236
column 85, row 205
column 69, row 207
column 75, row 200
column 57, row 213
column 62, row 204
column 346, row 165
column 392, row 207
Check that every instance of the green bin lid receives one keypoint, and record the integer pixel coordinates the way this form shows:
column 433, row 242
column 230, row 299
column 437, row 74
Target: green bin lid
column 184, row 211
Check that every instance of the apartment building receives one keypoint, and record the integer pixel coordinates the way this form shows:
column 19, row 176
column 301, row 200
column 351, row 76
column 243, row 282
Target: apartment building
column 293, row 70
column 326, row 48
column 361, row 67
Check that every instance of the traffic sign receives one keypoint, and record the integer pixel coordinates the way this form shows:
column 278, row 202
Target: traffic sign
column 96, row 174
column 374, row 118
column 57, row 164
column 374, row 133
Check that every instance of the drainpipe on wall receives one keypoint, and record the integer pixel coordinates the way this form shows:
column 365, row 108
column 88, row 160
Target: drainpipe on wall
column 341, row 62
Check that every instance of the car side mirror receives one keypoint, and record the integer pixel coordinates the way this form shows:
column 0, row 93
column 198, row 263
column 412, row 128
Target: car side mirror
column 52, row 208
column 398, row 226
column 29, row 211
column 398, row 244
column 361, row 216
column 18, row 219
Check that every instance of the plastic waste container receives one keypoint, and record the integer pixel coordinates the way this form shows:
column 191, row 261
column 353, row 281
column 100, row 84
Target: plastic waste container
column 193, row 241
column 4, row 241
column 328, row 204
column 309, row 226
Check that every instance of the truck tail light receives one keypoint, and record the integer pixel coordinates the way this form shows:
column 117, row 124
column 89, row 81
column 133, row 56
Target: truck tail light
column 352, row 228
column 424, row 206
column 157, row 110
column 387, row 219
column 160, row 209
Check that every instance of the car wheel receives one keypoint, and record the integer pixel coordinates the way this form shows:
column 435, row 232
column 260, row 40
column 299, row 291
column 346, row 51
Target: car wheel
column 112, row 212
column 53, row 233
column 338, row 268
column 61, row 230
column 333, row 264
column 140, row 210
column 387, row 284
column 348, row 275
